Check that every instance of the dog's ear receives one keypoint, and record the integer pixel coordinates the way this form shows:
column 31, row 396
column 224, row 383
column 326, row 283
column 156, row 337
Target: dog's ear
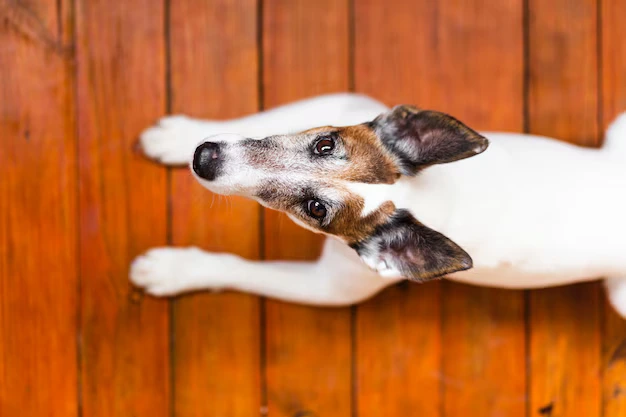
column 420, row 138
column 405, row 248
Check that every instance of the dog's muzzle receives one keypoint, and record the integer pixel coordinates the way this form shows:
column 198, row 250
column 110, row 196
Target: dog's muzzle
column 207, row 160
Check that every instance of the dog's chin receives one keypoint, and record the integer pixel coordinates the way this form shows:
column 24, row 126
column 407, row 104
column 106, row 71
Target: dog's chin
column 219, row 189
column 223, row 187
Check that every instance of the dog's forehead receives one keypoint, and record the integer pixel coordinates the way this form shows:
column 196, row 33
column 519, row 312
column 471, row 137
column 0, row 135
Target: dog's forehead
column 373, row 196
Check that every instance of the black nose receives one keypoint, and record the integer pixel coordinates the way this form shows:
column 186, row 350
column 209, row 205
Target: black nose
column 207, row 160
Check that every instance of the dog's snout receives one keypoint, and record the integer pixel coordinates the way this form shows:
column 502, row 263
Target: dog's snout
column 207, row 160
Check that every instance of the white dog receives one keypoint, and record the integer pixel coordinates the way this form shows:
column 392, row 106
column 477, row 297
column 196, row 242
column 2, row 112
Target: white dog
column 394, row 188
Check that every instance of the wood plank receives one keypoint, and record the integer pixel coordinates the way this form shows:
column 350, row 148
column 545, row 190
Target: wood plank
column 484, row 339
column 305, row 52
column 398, row 352
column 214, row 68
column 563, row 103
column 120, row 90
column 563, row 93
column 565, row 351
column 613, row 32
column 38, row 224
column 482, row 333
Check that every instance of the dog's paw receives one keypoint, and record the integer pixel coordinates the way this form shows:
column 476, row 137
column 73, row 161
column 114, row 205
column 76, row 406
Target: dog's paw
column 173, row 139
column 171, row 271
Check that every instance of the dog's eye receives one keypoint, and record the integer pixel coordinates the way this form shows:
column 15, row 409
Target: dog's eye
column 324, row 146
column 316, row 209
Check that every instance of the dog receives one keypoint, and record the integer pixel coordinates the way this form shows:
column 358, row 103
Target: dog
column 401, row 193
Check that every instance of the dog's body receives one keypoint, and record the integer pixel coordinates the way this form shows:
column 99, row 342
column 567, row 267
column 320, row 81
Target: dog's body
column 532, row 212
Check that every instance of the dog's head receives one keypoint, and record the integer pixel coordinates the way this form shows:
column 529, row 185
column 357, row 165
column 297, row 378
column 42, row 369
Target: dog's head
column 325, row 180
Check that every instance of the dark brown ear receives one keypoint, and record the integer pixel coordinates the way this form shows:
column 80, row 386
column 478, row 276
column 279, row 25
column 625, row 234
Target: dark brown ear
column 420, row 138
column 403, row 247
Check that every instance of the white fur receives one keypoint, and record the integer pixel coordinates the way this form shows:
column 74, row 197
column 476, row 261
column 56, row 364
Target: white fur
column 374, row 195
column 532, row 212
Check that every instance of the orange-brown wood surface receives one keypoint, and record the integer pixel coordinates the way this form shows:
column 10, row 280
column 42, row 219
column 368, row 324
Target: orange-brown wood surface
column 216, row 337
column 38, row 212
column 120, row 59
column 564, row 323
column 308, row 350
column 80, row 79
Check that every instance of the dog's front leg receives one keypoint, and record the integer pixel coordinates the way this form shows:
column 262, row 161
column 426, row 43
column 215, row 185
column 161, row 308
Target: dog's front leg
column 337, row 278
column 173, row 140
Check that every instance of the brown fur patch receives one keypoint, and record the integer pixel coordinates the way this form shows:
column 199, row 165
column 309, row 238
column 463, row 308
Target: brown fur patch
column 370, row 162
column 351, row 227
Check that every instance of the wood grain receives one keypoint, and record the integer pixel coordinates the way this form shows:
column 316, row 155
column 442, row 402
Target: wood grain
column 484, row 340
column 398, row 353
column 305, row 52
column 613, row 54
column 563, row 103
column 120, row 90
column 38, row 224
column 214, row 67
column 563, row 90
column 445, row 55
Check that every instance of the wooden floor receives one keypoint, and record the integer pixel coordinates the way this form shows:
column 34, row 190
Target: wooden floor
column 79, row 79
